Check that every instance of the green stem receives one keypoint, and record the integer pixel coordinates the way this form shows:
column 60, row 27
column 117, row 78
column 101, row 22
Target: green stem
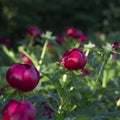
column 102, row 67
column 43, row 53
column 26, row 54
column 30, row 41
column 104, row 79
column 87, row 52
column 64, row 79
column 21, row 95
column 61, row 95
column 11, row 95
column 9, row 53
column 60, row 113
column 60, row 116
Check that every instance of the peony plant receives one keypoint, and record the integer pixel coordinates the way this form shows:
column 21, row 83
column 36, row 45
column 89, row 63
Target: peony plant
column 69, row 76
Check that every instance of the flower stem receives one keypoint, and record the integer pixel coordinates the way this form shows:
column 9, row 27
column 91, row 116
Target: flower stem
column 104, row 79
column 21, row 95
column 60, row 114
column 43, row 53
column 87, row 52
column 26, row 54
column 102, row 67
column 64, row 79
column 10, row 54
column 11, row 95
column 30, row 41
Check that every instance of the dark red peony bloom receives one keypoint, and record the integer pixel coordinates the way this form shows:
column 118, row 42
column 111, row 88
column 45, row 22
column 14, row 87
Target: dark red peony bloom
column 5, row 41
column 33, row 31
column 75, row 33
column 59, row 38
column 18, row 110
column 85, row 72
column 116, row 45
column 83, row 37
column 73, row 59
column 23, row 77
column 25, row 59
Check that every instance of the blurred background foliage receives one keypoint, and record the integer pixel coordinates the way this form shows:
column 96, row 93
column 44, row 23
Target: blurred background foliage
column 54, row 15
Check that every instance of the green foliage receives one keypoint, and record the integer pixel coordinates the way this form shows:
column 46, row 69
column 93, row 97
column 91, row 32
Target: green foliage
column 69, row 94
column 15, row 16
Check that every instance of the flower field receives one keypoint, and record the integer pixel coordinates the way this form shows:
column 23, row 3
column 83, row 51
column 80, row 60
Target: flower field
column 69, row 76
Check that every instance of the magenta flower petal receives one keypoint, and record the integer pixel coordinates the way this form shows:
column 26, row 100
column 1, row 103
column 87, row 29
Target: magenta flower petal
column 5, row 41
column 33, row 31
column 23, row 77
column 73, row 59
column 25, row 59
column 59, row 38
column 18, row 110
column 116, row 45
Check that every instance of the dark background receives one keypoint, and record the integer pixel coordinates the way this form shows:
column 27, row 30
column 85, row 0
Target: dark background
column 54, row 15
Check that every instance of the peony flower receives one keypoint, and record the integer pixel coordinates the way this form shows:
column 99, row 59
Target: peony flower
column 116, row 45
column 5, row 41
column 18, row 110
column 33, row 31
column 25, row 59
column 59, row 38
column 83, row 37
column 73, row 32
column 23, row 77
column 73, row 59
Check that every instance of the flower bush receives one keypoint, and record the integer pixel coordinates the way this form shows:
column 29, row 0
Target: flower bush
column 61, row 77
